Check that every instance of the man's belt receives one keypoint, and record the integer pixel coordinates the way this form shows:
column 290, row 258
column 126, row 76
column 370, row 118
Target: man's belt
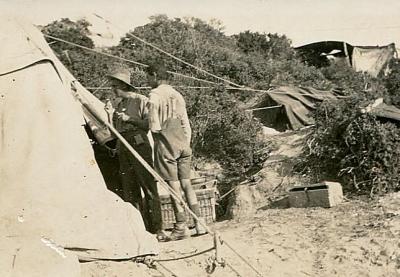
column 135, row 136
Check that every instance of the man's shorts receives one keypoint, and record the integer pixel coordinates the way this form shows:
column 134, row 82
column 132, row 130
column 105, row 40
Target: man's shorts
column 172, row 154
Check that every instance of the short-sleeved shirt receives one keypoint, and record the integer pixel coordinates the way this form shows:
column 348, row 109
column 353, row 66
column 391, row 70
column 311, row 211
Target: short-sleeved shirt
column 166, row 103
column 135, row 107
column 169, row 122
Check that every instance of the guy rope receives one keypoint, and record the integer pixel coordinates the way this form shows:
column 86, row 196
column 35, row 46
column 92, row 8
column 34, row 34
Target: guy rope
column 171, row 55
column 249, row 89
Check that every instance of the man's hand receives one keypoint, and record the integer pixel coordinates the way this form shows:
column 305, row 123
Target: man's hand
column 109, row 108
column 123, row 116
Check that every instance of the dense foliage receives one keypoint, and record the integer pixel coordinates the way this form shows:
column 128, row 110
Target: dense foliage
column 392, row 83
column 345, row 144
column 353, row 146
column 223, row 132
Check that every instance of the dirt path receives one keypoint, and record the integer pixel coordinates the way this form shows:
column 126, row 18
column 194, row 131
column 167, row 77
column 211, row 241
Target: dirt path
column 354, row 239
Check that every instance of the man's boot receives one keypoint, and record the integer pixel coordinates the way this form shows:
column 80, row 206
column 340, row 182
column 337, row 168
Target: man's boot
column 162, row 236
column 200, row 229
column 180, row 231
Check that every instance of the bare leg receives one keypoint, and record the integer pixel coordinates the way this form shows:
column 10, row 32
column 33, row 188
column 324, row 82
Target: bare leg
column 190, row 196
column 194, row 205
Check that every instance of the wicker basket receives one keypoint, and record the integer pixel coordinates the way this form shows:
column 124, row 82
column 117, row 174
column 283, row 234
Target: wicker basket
column 207, row 201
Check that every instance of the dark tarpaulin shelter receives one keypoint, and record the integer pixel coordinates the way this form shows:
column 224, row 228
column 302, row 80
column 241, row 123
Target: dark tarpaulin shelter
column 289, row 107
column 316, row 53
column 371, row 59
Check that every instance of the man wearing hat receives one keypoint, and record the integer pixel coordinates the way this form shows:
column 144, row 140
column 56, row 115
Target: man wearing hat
column 130, row 119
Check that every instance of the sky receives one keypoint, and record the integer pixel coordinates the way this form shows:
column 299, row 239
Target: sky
column 358, row 22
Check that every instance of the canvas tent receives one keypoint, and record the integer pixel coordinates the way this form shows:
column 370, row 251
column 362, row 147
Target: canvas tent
column 54, row 205
column 289, row 107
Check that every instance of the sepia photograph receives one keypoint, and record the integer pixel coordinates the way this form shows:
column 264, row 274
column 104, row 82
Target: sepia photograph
column 183, row 138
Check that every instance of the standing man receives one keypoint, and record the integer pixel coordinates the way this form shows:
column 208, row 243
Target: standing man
column 130, row 119
column 169, row 124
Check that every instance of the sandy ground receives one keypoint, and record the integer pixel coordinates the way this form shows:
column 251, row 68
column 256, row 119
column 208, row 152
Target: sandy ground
column 356, row 238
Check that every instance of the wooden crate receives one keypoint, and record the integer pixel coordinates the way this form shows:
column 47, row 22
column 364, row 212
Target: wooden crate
column 325, row 194
column 207, row 201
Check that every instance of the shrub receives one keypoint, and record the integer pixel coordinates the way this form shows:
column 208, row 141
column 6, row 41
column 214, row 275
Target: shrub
column 392, row 83
column 353, row 147
column 223, row 132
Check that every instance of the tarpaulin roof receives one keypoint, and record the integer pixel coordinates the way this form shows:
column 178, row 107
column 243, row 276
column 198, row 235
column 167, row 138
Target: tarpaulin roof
column 293, row 106
column 52, row 194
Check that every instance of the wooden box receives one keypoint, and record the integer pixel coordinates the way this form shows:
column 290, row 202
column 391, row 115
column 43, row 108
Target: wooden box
column 325, row 194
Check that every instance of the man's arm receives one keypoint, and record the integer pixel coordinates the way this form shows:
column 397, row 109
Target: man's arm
column 153, row 117
column 141, row 123
column 187, row 130
column 140, row 120
column 110, row 112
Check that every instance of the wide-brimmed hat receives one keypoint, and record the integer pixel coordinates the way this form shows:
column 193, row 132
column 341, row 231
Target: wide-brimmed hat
column 123, row 75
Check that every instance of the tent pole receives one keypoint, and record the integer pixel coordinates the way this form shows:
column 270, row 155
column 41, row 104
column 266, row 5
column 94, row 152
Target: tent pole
column 346, row 52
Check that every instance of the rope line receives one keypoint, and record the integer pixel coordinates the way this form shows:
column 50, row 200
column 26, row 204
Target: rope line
column 101, row 87
column 168, row 270
column 176, row 73
column 233, row 269
column 243, row 259
column 124, row 59
column 159, row 271
column 144, row 88
column 231, row 88
column 186, row 257
column 95, row 51
column 171, row 55
column 265, row 108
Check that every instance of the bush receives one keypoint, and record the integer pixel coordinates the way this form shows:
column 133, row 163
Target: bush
column 344, row 77
column 354, row 148
column 392, row 83
column 223, row 132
